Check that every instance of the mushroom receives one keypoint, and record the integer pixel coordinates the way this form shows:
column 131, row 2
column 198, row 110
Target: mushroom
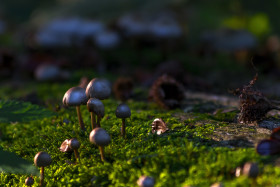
column 107, row 39
column 76, row 96
column 65, row 148
column 234, row 41
column 42, row 159
column 101, row 138
column 75, row 145
column 159, row 126
column 123, row 111
column 268, row 147
column 98, row 88
column 29, row 181
column 145, row 181
column 96, row 108
column 250, row 170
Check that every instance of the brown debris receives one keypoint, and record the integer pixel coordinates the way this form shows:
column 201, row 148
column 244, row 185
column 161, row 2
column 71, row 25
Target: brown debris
column 65, row 146
column 253, row 104
column 123, row 88
column 159, row 126
column 167, row 92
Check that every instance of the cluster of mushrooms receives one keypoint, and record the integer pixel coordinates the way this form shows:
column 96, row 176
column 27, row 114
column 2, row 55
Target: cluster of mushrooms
column 96, row 90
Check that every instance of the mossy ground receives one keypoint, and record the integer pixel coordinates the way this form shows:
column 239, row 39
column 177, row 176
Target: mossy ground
column 200, row 148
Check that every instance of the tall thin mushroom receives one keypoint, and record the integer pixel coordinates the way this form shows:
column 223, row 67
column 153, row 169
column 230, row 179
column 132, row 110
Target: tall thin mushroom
column 96, row 108
column 101, row 138
column 75, row 145
column 42, row 159
column 123, row 111
column 76, row 96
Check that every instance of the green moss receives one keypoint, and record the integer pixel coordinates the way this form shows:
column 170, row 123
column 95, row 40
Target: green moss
column 185, row 155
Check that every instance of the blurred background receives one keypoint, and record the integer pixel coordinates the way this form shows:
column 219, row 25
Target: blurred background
column 207, row 46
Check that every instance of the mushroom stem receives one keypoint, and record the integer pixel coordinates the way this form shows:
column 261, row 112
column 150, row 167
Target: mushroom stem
column 42, row 177
column 82, row 126
column 101, row 148
column 93, row 120
column 98, row 121
column 76, row 154
column 123, row 128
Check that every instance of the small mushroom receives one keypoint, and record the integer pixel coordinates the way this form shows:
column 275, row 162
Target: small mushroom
column 123, row 111
column 159, row 126
column 42, row 159
column 96, row 108
column 76, row 96
column 268, row 147
column 65, row 147
column 101, row 138
column 145, row 181
column 29, row 181
column 250, row 170
column 238, row 171
column 107, row 40
column 98, row 88
column 75, row 145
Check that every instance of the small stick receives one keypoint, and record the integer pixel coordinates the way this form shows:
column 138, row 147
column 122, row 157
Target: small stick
column 42, row 177
column 101, row 148
column 82, row 126
column 93, row 123
column 77, row 154
column 123, row 128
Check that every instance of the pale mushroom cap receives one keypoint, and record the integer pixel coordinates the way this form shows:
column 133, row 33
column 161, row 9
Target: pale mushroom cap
column 98, row 88
column 123, row 111
column 42, row 159
column 99, row 137
column 96, row 106
column 65, row 146
column 75, row 96
column 251, row 170
column 47, row 72
column 145, row 181
column 74, row 143
column 107, row 39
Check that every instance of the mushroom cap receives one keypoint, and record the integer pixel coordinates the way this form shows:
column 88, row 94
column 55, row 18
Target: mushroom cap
column 251, row 170
column 96, row 106
column 229, row 40
column 74, row 143
column 65, row 146
column 98, row 88
column 75, row 96
column 268, row 147
column 123, row 111
column 29, row 181
column 145, row 181
column 42, row 159
column 99, row 137
column 45, row 72
column 107, row 39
